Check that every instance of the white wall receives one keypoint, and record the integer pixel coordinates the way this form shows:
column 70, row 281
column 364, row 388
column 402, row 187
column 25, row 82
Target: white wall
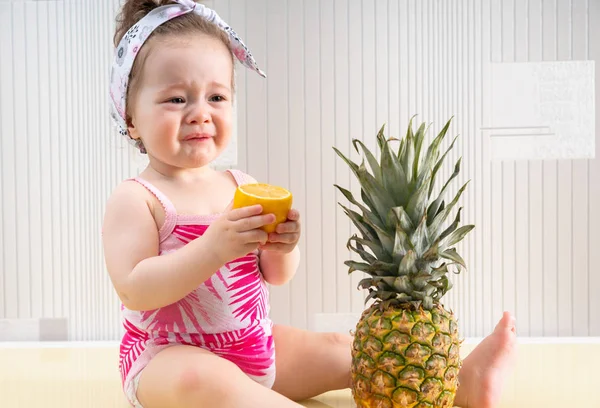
column 336, row 70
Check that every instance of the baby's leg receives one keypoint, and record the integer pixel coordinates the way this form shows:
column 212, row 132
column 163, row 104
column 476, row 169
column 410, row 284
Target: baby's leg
column 309, row 364
column 187, row 376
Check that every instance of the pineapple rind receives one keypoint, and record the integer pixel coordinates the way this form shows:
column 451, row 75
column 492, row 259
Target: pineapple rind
column 405, row 357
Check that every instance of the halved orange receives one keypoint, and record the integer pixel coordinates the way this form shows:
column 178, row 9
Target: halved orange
column 274, row 200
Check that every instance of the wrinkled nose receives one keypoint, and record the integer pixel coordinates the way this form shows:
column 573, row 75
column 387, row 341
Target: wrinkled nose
column 200, row 114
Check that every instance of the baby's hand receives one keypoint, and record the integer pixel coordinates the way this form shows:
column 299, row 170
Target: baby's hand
column 237, row 232
column 286, row 235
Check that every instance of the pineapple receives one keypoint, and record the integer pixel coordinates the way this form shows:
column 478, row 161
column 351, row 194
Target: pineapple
column 406, row 343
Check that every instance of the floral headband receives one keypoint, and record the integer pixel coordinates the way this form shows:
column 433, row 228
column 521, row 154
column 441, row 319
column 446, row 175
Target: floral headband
column 135, row 37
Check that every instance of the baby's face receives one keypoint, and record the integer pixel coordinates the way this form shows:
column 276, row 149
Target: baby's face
column 182, row 110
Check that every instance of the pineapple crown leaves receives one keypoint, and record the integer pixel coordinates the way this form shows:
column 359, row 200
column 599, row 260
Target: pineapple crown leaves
column 404, row 245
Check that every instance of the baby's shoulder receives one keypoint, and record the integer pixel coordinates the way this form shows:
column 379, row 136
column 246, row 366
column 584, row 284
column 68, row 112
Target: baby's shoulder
column 129, row 188
column 129, row 204
column 128, row 193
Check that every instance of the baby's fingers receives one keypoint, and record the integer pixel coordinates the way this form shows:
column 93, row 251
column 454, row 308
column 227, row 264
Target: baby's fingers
column 251, row 223
column 244, row 212
column 284, row 238
column 256, row 236
column 288, row 227
column 293, row 215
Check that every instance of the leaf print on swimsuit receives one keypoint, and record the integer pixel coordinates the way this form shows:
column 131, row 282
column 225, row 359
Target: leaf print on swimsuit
column 248, row 289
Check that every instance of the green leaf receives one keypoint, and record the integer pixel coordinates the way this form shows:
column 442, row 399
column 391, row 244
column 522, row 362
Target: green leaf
column 381, row 138
column 438, row 165
column 407, row 265
column 455, row 173
column 401, row 148
column 380, row 198
column 443, row 285
column 358, row 220
column 372, row 294
column 374, row 246
column 387, row 267
column 402, row 219
column 403, row 297
column 363, row 176
column 441, row 217
column 368, row 202
column 358, row 266
column 434, row 208
column 366, row 212
column 432, row 154
column 375, row 269
column 402, row 284
column 371, row 231
column 408, row 158
column 447, row 285
column 418, row 203
column 395, row 180
column 350, row 197
column 425, row 297
column 373, row 163
column 420, row 280
column 387, row 241
column 366, row 283
column 452, row 255
column 385, row 283
column 353, row 166
column 382, row 283
column 420, row 238
column 440, row 271
column 419, row 138
column 457, row 235
column 401, row 245
column 427, row 303
column 452, row 226
column 360, row 250
column 433, row 252
column 381, row 294
column 409, row 130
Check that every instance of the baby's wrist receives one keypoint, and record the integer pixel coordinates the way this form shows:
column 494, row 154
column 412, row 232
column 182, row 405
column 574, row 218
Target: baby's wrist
column 215, row 253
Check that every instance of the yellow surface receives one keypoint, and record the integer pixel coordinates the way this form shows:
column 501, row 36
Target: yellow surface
column 548, row 376
column 274, row 200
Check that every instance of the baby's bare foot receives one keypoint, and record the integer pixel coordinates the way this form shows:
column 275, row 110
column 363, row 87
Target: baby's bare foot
column 486, row 367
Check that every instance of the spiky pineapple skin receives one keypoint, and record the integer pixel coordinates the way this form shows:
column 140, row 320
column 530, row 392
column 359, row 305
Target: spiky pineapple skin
column 405, row 358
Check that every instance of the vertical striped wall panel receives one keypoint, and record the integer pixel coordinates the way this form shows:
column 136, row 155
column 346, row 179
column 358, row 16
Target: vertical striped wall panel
column 337, row 70
column 59, row 162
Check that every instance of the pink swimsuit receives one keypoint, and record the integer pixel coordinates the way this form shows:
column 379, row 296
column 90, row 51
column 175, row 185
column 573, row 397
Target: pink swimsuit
column 228, row 314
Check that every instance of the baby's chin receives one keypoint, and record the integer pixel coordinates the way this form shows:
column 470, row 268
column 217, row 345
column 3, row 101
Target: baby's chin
column 197, row 161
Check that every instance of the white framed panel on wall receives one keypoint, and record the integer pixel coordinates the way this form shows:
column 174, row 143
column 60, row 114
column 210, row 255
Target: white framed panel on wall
column 542, row 110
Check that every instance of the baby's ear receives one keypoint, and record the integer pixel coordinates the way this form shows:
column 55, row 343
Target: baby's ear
column 129, row 121
column 133, row 133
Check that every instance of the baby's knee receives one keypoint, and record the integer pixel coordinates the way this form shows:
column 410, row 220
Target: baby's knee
column 191, row 379
column 339, row 339
column 198, row 383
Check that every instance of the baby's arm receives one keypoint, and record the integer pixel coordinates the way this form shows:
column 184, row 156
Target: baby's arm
column 279, row 268
column 142, row 279
column 146, row 281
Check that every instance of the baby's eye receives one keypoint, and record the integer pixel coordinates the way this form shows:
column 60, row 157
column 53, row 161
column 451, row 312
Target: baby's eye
column 177, row 100
column 217, row 98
